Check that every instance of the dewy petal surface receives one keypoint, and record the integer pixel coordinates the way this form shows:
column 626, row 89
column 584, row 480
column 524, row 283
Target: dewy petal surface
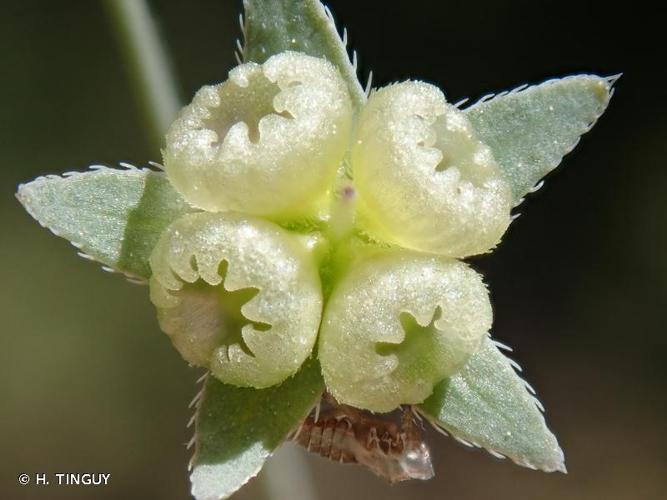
column 425, row 181
column 398, row 324
column 268, row 141
column 237, row 295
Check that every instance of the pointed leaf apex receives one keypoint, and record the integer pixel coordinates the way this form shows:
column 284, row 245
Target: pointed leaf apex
column 488, row 405
column 112, row 216
column 530, row 129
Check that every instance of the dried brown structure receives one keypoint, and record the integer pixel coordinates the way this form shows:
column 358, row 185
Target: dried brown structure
column 391, row 445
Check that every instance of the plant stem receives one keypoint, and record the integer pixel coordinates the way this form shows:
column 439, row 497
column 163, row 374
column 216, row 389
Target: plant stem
column 286, row 475
column 149, row 65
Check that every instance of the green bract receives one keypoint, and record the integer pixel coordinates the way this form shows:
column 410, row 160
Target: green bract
column 303, row 237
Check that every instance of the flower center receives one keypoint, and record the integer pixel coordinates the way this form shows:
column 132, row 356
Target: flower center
column 247, row 103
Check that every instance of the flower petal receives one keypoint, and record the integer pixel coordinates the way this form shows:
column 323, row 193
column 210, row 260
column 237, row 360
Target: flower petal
column 268, row 141
column 425, row 181
column 237, row 295
column 397, row 325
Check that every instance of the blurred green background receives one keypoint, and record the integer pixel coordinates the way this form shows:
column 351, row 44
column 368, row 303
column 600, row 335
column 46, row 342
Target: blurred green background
column 579, row 285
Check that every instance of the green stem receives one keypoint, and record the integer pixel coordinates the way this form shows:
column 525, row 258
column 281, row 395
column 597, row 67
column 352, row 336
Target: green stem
column 286, row 476
column 149, row 66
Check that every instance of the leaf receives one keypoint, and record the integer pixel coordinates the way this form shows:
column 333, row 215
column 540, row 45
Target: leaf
column 274, row 26
column 237, row 429
column 113, row 216
column 488, row 405
column 530, row 129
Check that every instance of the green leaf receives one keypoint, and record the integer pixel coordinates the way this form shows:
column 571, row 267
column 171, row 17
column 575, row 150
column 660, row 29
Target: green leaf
column 274, row 26
column 113, row 216
column 487, row 404
column 237, row 429
column 530, row 129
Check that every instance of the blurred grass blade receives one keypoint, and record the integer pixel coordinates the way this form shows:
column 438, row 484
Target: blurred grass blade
column 148, row 62
column 113, row 216
column 530, row 130
column 487, row 404
column 238, row 428
column 274, row 26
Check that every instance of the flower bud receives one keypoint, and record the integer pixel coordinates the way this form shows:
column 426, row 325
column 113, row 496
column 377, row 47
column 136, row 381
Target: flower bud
column 425, row 181
column 398, row 324
column 267, row 141
column 237, row 295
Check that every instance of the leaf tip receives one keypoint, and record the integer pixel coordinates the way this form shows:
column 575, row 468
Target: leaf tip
column 23, row 193
column 553, row 458
column 557, row 463
column 27, row 195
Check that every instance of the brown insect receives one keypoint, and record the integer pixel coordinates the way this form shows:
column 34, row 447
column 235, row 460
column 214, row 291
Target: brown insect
column 391, row 445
